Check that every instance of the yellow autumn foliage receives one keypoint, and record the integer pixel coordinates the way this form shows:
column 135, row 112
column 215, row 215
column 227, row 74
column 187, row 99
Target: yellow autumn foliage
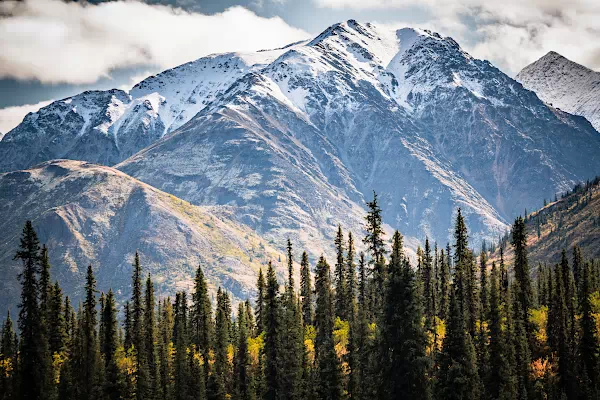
column 255, row 346
column 539, row 319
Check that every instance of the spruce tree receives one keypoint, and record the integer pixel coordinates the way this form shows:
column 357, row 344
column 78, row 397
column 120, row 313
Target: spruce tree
column 350, row 279
column 34, row 356
column 404, row 339
column 112, row 389
column 484, row 308
column 375, row 244
column 523, row 290
column 220, row 380
column 149, row 340
column 292, row 336
column 201, row 318
column 444, row 285
column 243, row 389
column 57, row 329
column 306, row 291
column 45, row 284
column 340, row 277
column 429, row 290
column 329, row 380
column 260, row 303
column 8, row 360
column 589, row 347
column 181, row 367
column 142, row 387
column 499, row 379
column 457, row 374
column 87, row 371
column 166, row 328
column 559, row 338
column 272, row 341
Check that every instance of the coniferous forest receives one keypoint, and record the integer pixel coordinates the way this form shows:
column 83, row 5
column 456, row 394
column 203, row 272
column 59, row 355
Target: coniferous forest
column 460, row 324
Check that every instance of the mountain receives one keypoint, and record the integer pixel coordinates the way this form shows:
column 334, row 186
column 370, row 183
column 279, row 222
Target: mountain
column 106, row 127
column 572, row 220
column 293, row 141
column 95, row 215
column 406, row 113
column 565, row 84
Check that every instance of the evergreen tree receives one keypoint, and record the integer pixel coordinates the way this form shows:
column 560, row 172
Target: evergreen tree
column 457, row 374
column 87, row 371
column 578, row 267
column 340, row 277
column 306, row 290
column 181, row 368
column 166, row 328
column 142, row 389
column 444, row 285
column 8, row 360
column 34, row 357
column 374, row 242
column 272, row 343
column 201, row 318
column 404, row 338
column 360, row 379
column 45, row 285
column 499, row 381
column 482, row 332
column 113, row 383
column 292, row 337
column 589, row 347
column 559, row 339
column 243, row 389
column 149, row 340
column 523, row 290
column 57, row 329
column 220, row 380
column 429, row 290
column 329, row 380
column 260, row 303
column 350, row 279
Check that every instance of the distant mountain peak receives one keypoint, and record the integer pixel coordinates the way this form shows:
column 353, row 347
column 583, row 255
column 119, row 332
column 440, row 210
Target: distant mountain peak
column 565, row 84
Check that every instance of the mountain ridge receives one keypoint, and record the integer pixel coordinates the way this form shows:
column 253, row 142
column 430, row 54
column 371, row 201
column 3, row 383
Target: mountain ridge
column 303, row 135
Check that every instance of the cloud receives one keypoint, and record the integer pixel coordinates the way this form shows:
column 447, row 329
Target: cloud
column 10, row 117
column 510, row 33
column 56, row 42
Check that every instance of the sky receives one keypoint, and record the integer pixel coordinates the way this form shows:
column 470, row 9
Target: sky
column 51, row 49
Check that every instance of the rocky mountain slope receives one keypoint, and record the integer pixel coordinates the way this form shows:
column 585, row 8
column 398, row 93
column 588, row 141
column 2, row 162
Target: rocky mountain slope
column 407, row 113
column 95, row 215
column 106, row 127
column 292, row 141
column 565, row 84
column 572, row 220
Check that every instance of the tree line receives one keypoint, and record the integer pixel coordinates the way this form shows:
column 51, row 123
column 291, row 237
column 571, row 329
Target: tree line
column 457, row 325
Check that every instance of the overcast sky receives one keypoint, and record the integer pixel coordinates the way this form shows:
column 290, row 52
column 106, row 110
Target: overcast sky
column 51, row 49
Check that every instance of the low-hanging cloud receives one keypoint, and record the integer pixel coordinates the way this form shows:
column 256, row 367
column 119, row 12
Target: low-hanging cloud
column 510, row 33
column 56, row 42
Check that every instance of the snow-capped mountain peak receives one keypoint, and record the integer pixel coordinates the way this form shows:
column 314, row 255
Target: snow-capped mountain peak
column 565, row 84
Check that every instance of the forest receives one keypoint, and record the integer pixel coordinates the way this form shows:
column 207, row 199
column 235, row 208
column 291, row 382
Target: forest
column 457, row 324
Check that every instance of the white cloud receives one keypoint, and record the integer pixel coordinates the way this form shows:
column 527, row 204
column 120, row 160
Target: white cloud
column 510, row 33
column 75, row 42
column 10, row 117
